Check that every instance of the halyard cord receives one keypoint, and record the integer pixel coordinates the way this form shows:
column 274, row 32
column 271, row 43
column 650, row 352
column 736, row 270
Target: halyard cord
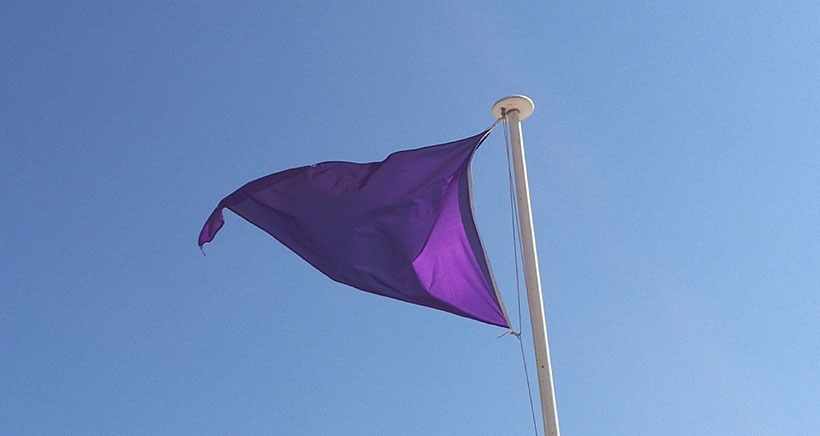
column 513, row 216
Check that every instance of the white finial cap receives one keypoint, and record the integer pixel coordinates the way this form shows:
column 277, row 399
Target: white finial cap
column 520, row 103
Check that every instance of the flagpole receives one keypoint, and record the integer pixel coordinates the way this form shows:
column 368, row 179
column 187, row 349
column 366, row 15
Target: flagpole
column 515, row 108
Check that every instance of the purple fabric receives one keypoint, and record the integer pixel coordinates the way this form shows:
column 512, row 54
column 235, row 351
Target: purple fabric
column 401, row 228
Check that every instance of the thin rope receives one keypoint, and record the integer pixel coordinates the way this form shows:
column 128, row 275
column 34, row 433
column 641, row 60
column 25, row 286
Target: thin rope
column 513, row 214
column 529, row 388
column 516, row 248
column 492, row 126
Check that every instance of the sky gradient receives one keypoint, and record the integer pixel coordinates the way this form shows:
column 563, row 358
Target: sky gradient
column 673, row 163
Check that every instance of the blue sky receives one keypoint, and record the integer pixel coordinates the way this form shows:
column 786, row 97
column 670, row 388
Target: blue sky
column 673, row 158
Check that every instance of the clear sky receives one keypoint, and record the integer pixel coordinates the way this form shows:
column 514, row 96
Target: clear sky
column 674, row 159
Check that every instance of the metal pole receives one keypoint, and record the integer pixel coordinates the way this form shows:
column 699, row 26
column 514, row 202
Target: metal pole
column 515, row 108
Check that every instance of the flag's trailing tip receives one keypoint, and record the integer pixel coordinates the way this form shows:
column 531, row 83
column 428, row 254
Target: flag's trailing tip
column 520, row 103
column 212, row 225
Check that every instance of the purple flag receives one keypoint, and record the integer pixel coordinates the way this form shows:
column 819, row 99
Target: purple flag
column 402, row 227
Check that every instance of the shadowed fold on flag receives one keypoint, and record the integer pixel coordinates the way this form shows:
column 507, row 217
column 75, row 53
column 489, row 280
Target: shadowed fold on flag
column 402, row 228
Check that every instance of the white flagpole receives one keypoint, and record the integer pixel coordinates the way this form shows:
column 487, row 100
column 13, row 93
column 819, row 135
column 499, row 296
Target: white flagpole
column 515, row 108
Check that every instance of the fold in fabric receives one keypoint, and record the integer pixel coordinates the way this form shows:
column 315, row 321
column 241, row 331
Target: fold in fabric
column 402, row 228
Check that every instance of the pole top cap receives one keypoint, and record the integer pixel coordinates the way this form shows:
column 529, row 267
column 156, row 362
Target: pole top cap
column 520, row 103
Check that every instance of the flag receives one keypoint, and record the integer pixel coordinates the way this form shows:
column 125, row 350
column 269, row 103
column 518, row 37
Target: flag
column 402, row 228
